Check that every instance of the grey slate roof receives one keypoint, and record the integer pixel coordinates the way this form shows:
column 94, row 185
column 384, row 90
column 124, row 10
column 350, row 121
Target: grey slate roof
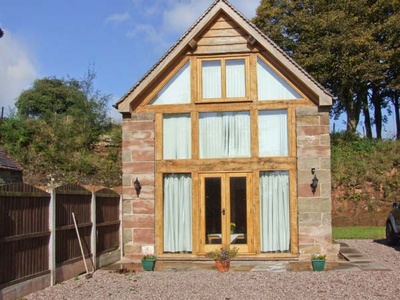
column 7, row 162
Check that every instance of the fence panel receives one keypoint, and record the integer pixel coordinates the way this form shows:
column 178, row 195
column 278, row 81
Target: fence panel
column 107, row 220
column 72, row 199
column 24, row 231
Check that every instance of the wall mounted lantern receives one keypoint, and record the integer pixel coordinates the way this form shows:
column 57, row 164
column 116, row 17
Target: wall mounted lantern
column 138, row 187
column 314, row 183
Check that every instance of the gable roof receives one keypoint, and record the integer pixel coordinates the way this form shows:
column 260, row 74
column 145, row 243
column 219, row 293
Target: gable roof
column 324, row 97
column 8, row 163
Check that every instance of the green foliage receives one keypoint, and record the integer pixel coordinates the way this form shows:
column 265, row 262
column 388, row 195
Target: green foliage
column 356, row 161
column 358, row 232
column 61, row 134
column 350, row 46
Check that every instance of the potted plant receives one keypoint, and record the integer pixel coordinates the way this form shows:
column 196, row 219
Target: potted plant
column 149, row 262
column 223, row 256
column 318, row 261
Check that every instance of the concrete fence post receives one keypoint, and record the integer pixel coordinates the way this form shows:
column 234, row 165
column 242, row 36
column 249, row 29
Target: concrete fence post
column 93, row 239
column 52, row 240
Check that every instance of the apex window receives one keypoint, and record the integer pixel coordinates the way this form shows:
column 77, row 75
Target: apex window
column 224, row 79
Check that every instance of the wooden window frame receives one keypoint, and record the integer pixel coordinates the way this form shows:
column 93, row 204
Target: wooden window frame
column 223, row 98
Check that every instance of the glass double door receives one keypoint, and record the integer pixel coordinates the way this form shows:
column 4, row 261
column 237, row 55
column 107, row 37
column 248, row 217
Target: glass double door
column 226, row 217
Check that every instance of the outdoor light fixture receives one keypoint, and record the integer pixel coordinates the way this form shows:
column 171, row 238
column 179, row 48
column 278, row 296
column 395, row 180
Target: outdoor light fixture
column 138, row 187
column 314, row 183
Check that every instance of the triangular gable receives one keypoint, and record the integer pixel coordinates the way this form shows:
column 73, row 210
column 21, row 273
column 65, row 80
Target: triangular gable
column 324, row 98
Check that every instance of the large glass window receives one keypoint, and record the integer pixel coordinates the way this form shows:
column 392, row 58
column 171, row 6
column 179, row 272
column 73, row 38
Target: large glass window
column 177, row 142
column 275, row 220
column 177, row 89
column 177, row 213
column 224, row 134
column 273, row 133
column 223, row 78
column 271, row 86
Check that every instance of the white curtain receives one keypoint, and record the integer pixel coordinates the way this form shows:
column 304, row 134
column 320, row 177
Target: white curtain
column 272, row 86
column 235, row 78
column 224, row 134
column 211, row 79
column 177, row 90
column 273, row 133
column 177, row 136
column 177, row 212
column 275, row 224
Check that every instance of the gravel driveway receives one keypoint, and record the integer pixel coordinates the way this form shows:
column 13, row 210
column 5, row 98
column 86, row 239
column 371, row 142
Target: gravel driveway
column 209, row 284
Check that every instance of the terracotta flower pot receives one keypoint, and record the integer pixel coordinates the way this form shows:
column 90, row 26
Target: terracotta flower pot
column 222, row 266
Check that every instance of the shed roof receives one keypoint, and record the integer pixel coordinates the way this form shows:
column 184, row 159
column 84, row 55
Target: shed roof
column 324, row 97
column 8, row 163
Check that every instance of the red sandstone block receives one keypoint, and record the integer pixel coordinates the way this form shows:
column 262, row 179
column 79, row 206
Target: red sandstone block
column 138, row 167
column 312, row 130
column 143, row 155
column 138, row 125
column 304, row 190
column 324, row 119
column 143, row 236
column 138, row 221
column 143, row 207
column 314, row 151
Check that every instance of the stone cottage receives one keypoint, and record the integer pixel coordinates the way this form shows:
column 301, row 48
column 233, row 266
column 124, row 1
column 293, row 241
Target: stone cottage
column 226, row 141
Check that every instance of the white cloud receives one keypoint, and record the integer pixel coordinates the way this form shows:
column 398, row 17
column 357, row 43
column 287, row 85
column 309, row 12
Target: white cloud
column 118, row 18
column 181, row 15
column 17, row 70
column 247, row 8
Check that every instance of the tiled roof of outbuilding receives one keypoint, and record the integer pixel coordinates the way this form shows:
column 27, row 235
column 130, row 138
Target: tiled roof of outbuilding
column 7, row 162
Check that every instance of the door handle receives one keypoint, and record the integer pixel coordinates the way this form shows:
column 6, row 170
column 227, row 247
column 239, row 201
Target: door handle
column 223, row 211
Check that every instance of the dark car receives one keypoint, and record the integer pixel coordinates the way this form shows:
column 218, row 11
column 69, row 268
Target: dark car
column 393, row 226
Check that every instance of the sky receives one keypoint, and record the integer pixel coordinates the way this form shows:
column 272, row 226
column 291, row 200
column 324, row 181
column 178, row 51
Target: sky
column 120, row 39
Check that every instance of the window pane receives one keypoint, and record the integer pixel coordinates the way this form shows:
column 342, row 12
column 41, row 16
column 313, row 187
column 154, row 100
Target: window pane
column 224, row 134
column 235, row 78
column 177, row 90
column 211, row 79
column 275, row 221
column 271, row 86
column 177, row 213
column 273, row 133
column 177, row 136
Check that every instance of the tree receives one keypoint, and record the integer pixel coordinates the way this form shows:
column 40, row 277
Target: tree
column 56, row 131
column 344, row 44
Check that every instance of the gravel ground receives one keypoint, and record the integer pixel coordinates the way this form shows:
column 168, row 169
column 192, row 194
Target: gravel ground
column 209, row 284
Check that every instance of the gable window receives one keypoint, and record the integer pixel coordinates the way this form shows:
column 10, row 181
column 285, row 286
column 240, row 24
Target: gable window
column 273, row 133
column 176, row 136
column 223, row 79
column 271, row 86
column 224, row 134
column 176, row 90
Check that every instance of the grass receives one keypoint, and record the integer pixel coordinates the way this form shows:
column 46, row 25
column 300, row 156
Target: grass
column 359, row 233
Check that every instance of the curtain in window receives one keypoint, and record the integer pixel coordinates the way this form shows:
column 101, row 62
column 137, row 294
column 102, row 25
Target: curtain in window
column 224, row 134
column 274, row 198
column 211, row 79
column 273, row 133
column 177, row 90
column 177, row 212
column 177, row 136
column 235, row 78
column 271, row 86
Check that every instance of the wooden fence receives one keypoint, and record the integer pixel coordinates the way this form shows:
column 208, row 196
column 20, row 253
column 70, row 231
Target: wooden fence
column 37, row 232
